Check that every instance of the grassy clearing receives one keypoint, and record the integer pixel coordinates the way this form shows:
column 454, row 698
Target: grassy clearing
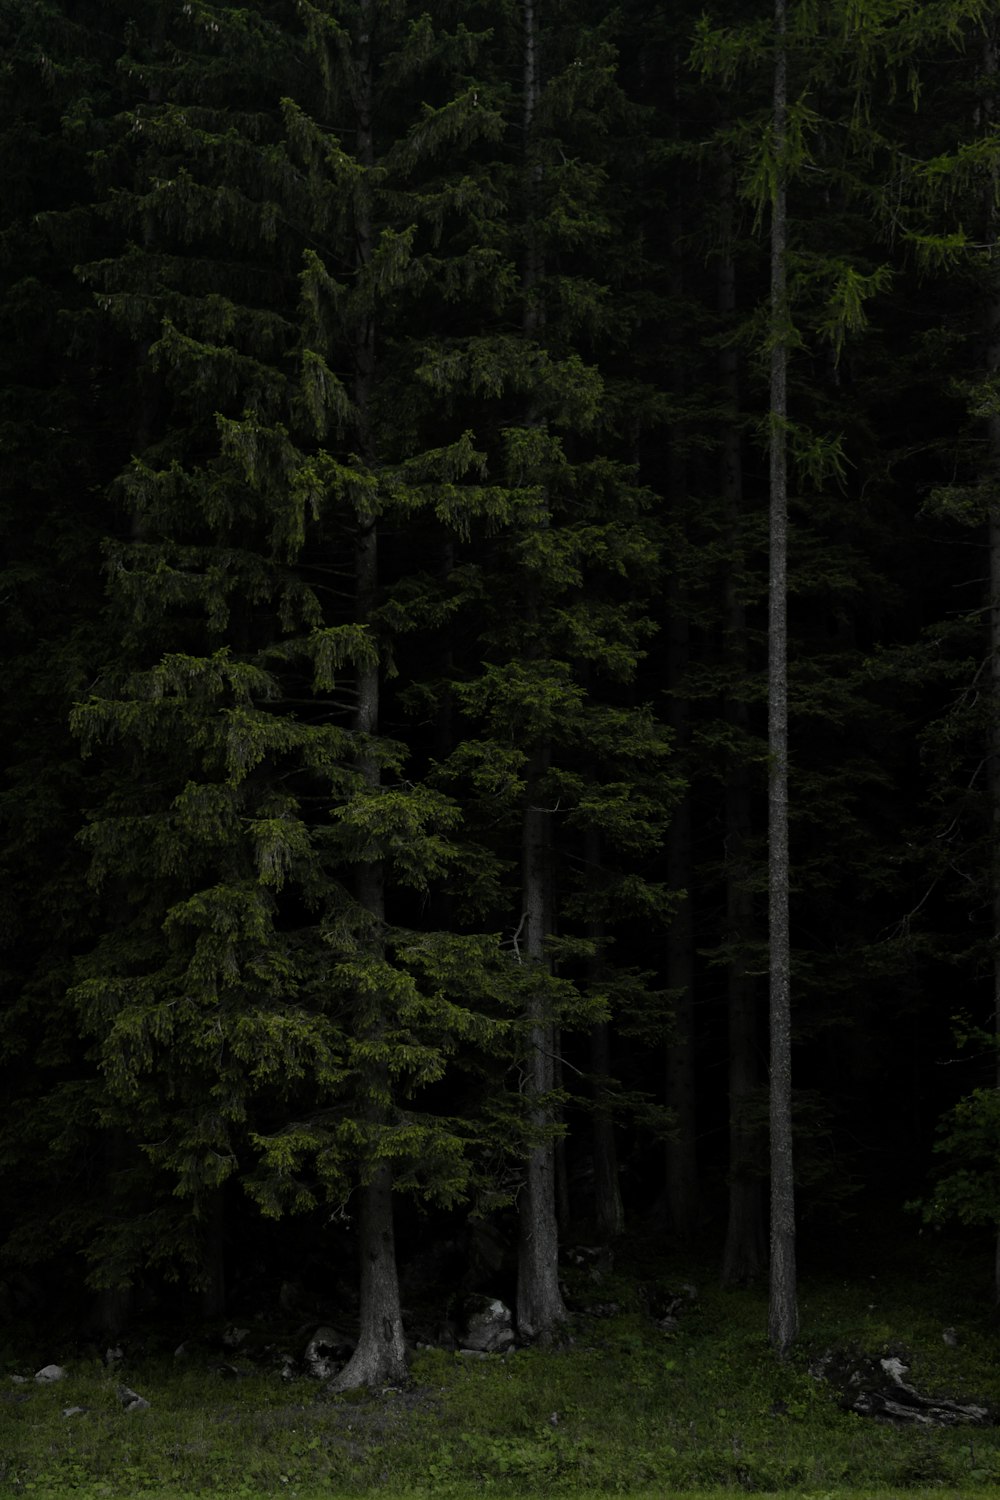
column 703, row 1410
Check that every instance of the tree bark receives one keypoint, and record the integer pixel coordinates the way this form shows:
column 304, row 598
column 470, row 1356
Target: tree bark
column 683, row 1194
column 539, row 1300
column 609, row 1212
column 683, row 1191
column 380, row 1356
column 214, row 1292
column 782, row 1310
column 993, row 469
column 745, row 1252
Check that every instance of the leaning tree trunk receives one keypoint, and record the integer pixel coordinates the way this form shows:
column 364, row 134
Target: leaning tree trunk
column 745, row 1253
column 380, row 1356
column 782, row 1310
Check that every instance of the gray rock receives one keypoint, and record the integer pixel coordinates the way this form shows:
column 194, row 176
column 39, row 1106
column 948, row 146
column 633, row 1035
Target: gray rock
column 234, row 1337
column 131, row 1400
column 75, row 1411
column 48, row 1373
column 19, row 1380
column 489, row 1326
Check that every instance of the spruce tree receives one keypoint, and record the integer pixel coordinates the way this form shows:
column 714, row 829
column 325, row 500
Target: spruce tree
column 61, row 440
column 265, row 1007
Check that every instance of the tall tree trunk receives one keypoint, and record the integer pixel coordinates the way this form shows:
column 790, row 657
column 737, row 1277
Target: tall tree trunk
column 745, row 1253
column 683, row 1192
column 380, row 1356
column 539, row 1301
column 609, row 1212
column 214, row 1295
column 683, row 1196
column 783, row 1308
column 993, row 467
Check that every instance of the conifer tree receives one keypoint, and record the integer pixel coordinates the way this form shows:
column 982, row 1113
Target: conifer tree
column 554, row 754
column 950, row 187
column 262, row 1007
column 60, row 442
column 814, row 303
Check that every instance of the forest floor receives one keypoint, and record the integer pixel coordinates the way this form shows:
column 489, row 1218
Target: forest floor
column 636, row 1403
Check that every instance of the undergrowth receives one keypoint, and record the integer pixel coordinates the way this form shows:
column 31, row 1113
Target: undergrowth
column 628, row 1407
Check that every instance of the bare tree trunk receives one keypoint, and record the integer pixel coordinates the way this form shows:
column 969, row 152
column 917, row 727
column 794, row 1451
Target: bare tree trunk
column 380, row 1356
column 213, row 1296
column 783, row 1307
column 564, row 1208
column 745, row 1252
column 683, row 1191
column 683, row 1194
column 609, row 1211
column 539, row 1301
column 989, row 111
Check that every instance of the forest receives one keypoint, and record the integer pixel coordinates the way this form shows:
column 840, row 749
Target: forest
column 501, row 642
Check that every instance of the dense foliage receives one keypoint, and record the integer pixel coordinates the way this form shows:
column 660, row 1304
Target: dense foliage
column 387, row 399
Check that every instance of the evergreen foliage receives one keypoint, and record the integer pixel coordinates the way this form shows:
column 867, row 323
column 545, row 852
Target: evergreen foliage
column 385, row 407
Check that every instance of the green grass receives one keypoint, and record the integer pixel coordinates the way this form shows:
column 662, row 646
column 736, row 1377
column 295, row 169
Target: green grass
column 627, row 1409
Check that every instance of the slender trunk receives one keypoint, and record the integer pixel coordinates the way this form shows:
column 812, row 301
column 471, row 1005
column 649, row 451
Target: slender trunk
column 993, row 465
column 995, row 796
column 745, row 1253
column 112, row 1309
column 564, row 1212
column 783, row 1310
column 539, row 1301
column 609, row 1213
column 213, row 1296
column 380, row 1356
column 683, row 1193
